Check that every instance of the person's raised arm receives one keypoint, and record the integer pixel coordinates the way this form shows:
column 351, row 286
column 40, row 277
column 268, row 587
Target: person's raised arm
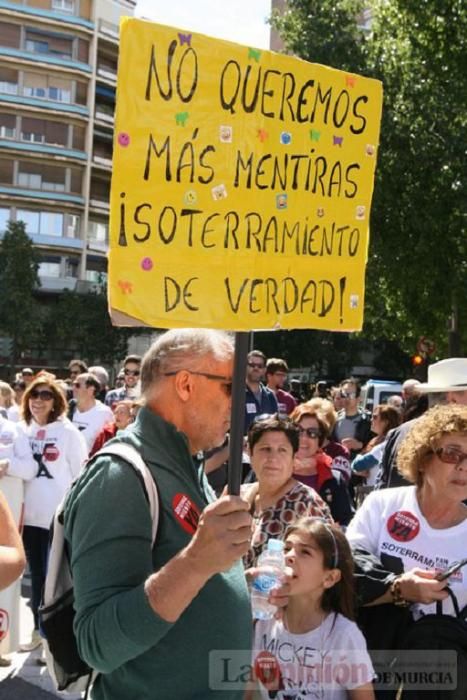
column 223, row 536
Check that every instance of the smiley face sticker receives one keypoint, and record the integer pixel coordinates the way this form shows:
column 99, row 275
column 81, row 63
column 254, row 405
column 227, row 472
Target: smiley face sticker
column 147, row 264
column 190, row 197
column 123, row 139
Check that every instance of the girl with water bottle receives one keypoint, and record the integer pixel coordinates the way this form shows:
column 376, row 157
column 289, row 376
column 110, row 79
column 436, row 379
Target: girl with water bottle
column 315, row 650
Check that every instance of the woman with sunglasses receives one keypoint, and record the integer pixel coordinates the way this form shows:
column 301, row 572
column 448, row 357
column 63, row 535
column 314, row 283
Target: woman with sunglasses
column 59, row 451
column 412, row 534
column 314, row 468
column 383, row 419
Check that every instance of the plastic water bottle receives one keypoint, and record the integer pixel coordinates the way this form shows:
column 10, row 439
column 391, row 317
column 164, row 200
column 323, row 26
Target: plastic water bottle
column 272, row 568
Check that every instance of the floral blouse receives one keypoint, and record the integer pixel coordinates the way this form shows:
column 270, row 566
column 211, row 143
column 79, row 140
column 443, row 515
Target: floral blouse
column 273, row 522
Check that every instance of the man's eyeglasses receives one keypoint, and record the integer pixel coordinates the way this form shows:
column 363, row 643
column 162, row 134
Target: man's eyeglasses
column 42, row 394
column 131, row 372
column 226, row 381
column 312, row 433
column 348, row 395
column 256, row 365
column 449, row 455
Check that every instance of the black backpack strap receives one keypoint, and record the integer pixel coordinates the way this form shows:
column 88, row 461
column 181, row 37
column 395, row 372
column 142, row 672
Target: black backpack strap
column 455, row 603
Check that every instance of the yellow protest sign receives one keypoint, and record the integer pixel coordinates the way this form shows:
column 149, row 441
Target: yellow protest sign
column 241, row 186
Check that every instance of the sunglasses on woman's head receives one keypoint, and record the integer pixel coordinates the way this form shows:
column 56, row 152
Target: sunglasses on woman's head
column 42, row 394
column 275, row 416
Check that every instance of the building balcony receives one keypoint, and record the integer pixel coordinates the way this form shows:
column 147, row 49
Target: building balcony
column 108, row 75
column 56, row 241
column 46, row 59
column 105, row 118
column 99, row 205
column 57, row 284
column 48, row 16
column 102, row 163
column 108, row 30
column 9, row 192
column 52, row 106
column 31, row 147
column 88, row 287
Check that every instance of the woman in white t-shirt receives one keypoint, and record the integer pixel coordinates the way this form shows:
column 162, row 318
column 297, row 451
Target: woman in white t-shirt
column 58, row 451
column 315, row 650
column 416, row 532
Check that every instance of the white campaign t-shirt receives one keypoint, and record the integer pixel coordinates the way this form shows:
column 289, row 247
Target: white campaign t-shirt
column 322, row 663
column 90, row 423
column 390, row 525
column 58, row 452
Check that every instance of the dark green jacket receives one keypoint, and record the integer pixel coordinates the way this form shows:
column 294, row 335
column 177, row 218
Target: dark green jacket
column 108, row 528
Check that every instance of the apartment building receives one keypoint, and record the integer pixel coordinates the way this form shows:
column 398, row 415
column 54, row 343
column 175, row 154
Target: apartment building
column 58, row 70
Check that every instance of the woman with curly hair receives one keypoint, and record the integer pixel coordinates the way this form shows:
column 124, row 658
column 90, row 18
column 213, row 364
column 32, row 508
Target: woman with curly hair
column 413, row 533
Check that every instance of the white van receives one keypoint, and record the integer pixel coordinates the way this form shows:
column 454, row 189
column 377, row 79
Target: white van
column 378, row 391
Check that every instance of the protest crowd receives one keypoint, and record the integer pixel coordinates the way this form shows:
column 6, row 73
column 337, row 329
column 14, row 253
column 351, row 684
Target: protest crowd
column 371, row 508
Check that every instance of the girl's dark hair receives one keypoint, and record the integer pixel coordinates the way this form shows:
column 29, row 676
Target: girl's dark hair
column 59, row 404
column 273, row 423
column 330, row 540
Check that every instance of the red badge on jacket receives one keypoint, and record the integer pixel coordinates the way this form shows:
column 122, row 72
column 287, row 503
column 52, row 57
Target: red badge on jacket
column 186, row 512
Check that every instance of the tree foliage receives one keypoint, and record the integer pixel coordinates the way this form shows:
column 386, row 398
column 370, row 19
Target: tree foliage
column 19, row 312
column 417, row 265
column 81, row 323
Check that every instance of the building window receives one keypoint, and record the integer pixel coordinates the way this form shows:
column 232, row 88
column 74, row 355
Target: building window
column 31, row 180
column 96, row 276
column 7, row 126
column 72, row 265
column 98, row 232
column 49, row 269
column 49, row 43
column 30, row 219
column 67, row 6
column 4, row 219
column 8, row 80
column 6, row 171
column 42, row 177
column 72, row 226
column 45, row 223
column 47, row 87
column 51, row 224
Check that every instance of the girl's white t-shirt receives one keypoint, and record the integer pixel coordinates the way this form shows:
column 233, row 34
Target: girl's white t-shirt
column 391, row 525
column 322, row 663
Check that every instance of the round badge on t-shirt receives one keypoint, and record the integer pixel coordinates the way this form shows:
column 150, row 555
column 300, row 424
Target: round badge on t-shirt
column 403, row 526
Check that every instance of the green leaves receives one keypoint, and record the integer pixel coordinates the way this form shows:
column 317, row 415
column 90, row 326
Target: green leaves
column 417, row 265
column 19, row 318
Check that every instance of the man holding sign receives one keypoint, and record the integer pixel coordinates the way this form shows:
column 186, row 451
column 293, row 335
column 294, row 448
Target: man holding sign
column 147, row 617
